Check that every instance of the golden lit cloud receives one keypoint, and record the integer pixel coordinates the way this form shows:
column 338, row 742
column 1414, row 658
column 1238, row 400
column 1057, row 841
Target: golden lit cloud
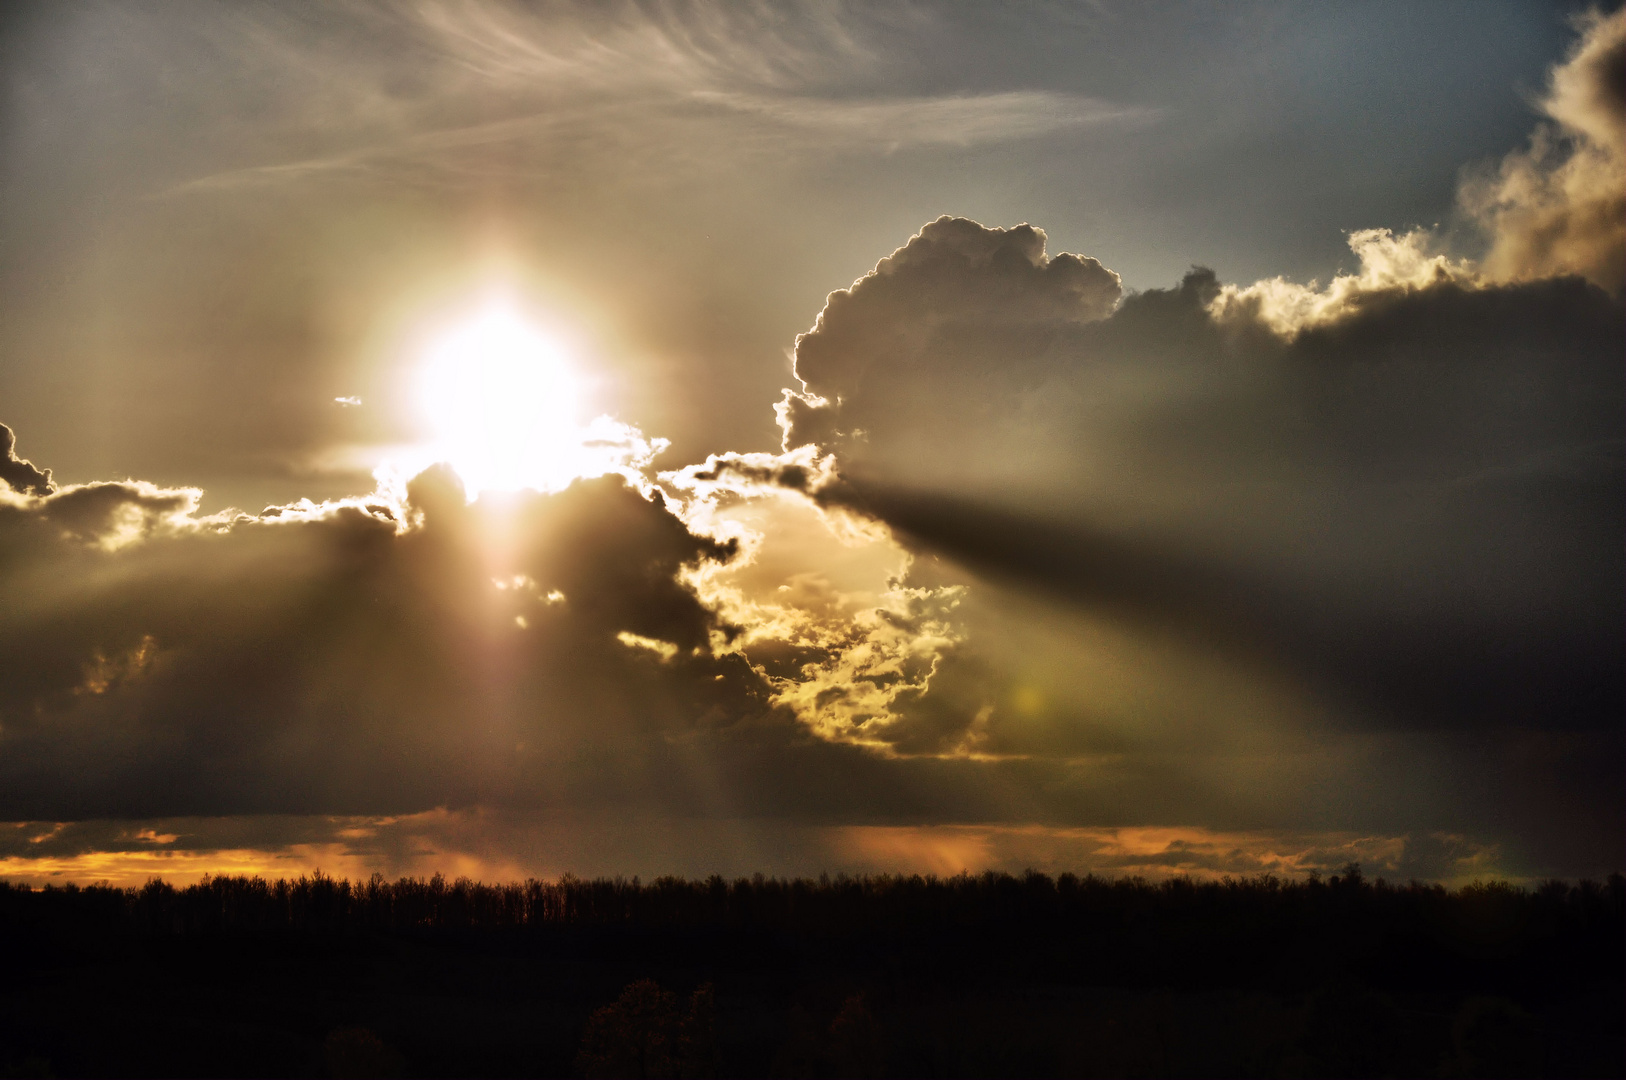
column 1388, row 264
column 821, row 597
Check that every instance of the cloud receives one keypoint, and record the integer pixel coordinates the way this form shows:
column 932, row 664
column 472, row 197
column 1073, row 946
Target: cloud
column 953, row 272
column 1559, row 206
column 1190, row 535
column 609, row 643
column 18, row 473
column 668, row 656
column 948, row 120
column 1288, row 532
column 1389, row 264
column 108, row 515
column 820, row 595
column 339, row 656
column 1410, row 503
column 1556, row 208
column 676, row 46
column 619, row 82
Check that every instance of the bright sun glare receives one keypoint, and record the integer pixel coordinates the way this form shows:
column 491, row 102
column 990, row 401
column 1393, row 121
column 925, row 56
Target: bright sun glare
column 503, row 403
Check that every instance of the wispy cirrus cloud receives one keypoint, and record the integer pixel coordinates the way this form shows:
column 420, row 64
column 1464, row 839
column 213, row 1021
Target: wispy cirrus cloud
column 947, row 120
column 630, row 81
column 667, row 128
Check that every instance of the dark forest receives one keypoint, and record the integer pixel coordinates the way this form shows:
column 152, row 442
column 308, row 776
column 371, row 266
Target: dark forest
column 988, row 975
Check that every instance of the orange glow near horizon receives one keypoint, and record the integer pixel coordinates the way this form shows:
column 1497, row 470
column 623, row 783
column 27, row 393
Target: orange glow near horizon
column 449, row 842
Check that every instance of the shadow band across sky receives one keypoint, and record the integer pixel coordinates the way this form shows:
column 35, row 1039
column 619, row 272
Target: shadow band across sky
column 1442, row 668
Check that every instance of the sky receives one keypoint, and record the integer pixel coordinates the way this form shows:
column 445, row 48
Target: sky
column 518, row 439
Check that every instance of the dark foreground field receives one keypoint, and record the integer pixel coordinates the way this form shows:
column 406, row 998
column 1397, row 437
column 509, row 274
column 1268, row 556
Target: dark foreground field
column 968, row 976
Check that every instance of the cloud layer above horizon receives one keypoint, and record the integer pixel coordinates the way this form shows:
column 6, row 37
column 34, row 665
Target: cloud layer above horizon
column 1046, row 570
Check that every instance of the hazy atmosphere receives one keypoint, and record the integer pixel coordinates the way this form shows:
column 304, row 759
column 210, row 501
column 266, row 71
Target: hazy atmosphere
column 518, row 439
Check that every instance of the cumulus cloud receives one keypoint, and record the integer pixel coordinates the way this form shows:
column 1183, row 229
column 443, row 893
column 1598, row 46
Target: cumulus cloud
column 1555, row 208
column 954, row 272
column 1388, row 264
column 726, row 648
column 1232, row 535
column 1409, row 501
column 1559, row 205
column 735, row 668
column 18, row 473
column 616, row 641
column 319, row 657
column 1400, row 490
column 105, row 514
column 820, row 594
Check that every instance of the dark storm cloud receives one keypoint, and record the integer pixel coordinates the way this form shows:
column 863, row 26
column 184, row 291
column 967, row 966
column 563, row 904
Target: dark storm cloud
column 398, row 653
column 334, row 659
column 388, row 655
column 407, row 651
column 368, row 657
column 1417, row 505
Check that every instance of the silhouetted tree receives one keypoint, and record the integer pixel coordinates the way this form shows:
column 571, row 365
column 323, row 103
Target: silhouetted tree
column 643, row 1035
column 857, row 1047
column 697, row 1036
column 1493, row 1037
column 355, row 1053
column 1257, row 976
column 801, row 1055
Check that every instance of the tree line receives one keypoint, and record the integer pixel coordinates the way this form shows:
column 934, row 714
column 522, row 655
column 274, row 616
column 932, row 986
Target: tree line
column 990, row 973
column 1487, row 920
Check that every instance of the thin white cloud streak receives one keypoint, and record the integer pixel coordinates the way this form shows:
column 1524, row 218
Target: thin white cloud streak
column 670, row 45
column 428, row 148
column 808, row 126
column 751, row 80
column 959, row 120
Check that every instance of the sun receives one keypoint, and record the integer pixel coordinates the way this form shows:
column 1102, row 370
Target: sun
column 503, row 402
